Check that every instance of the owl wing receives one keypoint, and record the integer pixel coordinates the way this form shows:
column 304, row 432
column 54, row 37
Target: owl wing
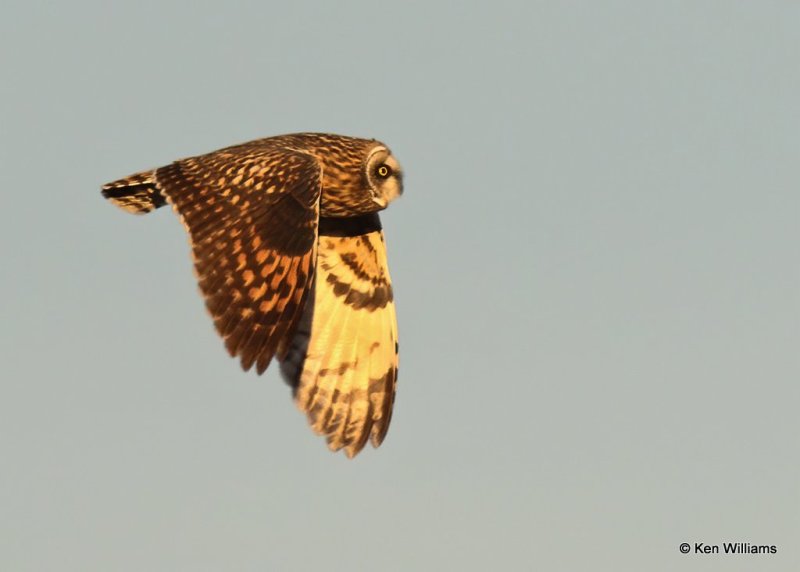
column 252, row 213
column 342, row 360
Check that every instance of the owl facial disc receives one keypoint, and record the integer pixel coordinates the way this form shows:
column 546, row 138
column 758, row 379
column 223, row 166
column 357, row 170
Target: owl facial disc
column 385, row 176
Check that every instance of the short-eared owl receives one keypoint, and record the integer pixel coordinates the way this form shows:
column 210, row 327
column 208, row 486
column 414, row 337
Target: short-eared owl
column 290, row 257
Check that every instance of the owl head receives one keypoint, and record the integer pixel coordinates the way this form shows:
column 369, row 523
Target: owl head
column 359, row 176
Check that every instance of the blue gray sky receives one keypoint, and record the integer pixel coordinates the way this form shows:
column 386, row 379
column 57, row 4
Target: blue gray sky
column 595, row 265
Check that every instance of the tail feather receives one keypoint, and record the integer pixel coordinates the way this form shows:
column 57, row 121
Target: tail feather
column 136, row 194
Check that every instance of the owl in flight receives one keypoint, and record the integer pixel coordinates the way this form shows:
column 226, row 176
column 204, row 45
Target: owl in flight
column 291, row 260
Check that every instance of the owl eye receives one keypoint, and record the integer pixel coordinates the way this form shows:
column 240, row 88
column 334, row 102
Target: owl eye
column 384, row 171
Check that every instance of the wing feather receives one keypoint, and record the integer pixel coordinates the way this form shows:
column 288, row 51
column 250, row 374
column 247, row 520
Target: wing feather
column 252, row 217
column 320, row 398
column 343, row 358
column 347, row 383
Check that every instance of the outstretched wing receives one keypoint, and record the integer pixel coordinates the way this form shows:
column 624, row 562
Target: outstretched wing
column 342, row 361
column 251, row 212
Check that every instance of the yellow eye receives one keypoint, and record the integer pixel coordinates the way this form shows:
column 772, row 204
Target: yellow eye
column 384, row 171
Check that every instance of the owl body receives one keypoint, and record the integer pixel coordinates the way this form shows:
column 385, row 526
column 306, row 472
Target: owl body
column 291, row 260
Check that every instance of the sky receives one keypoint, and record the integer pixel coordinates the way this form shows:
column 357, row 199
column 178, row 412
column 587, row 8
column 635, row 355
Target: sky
column 595, row 265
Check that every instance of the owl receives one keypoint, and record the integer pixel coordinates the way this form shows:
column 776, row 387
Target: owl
column 290, row 258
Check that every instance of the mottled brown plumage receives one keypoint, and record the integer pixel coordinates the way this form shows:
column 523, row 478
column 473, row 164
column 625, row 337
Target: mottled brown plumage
column 291, row 260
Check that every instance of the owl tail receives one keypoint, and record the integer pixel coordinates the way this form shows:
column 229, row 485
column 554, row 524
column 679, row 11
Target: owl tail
column 136, row 194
